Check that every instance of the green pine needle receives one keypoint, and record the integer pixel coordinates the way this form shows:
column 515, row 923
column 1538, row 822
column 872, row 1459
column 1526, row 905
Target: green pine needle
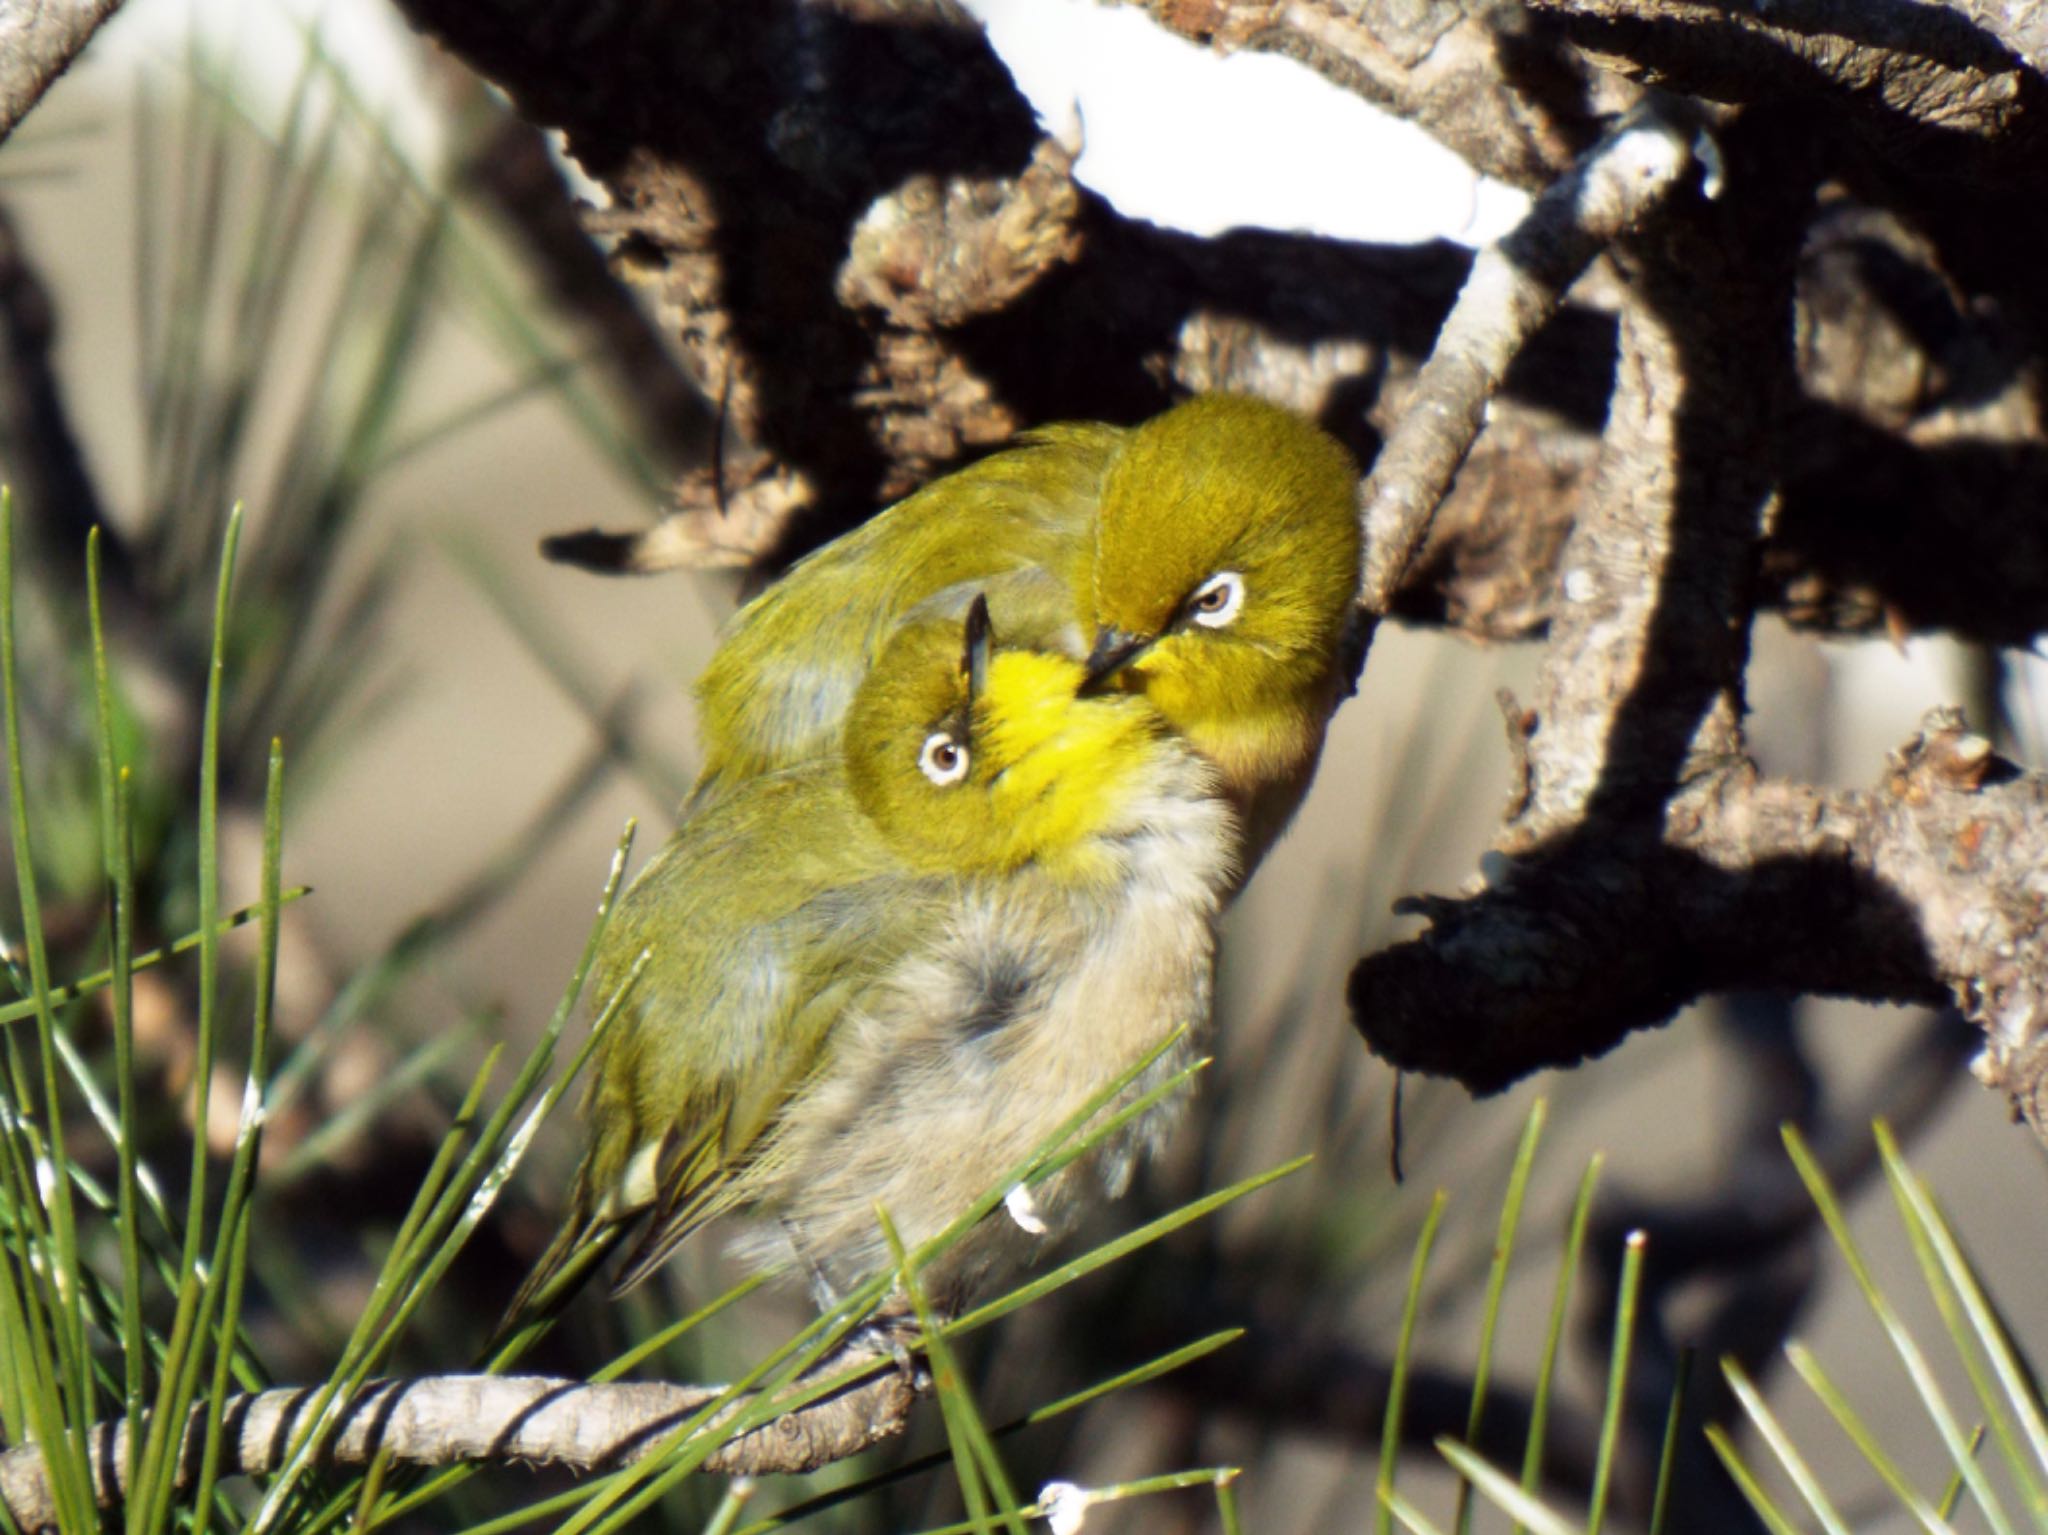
column 1397, row 1386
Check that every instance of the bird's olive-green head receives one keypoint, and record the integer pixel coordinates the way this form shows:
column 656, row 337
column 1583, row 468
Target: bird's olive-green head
column 1223, row 570
column 971, row 758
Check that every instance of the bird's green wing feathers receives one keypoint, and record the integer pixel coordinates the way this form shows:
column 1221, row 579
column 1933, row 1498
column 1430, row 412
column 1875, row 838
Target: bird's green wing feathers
column 701, row 1172
column 762, row 921
column 790, row 662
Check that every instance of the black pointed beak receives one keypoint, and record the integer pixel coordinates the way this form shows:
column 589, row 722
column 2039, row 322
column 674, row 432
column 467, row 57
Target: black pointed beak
column 1114, row 650
column 979, row 640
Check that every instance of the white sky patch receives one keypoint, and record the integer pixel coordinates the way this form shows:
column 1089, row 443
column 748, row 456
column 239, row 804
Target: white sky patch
column 2027, row 693
column 1177, row 134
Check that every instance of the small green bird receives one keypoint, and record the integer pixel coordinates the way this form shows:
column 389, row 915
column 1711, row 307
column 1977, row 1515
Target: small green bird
column 888, row 973
column 1209, row 557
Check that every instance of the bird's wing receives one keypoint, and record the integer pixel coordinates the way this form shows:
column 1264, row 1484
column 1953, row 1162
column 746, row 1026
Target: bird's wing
column 789, row 663
column 762, row 920
column 702, row 1171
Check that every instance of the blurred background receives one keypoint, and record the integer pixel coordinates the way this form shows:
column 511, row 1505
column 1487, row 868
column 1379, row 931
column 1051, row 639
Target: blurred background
column 251, row 254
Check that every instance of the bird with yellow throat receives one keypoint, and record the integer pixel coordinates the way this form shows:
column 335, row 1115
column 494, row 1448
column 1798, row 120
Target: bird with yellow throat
column 1208, row 557
column 889, row 974
column 1188, row 580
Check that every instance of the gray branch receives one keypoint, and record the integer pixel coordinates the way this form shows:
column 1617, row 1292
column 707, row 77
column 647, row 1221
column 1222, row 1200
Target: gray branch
column 1914, row 78
column 1514, row 287
column 443, row 1420
column 38, row 41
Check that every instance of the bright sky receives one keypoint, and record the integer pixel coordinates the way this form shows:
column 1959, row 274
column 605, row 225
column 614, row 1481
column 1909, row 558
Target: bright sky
column 1180, row 135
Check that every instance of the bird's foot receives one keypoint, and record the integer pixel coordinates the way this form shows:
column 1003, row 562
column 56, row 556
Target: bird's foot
column 891, row 1333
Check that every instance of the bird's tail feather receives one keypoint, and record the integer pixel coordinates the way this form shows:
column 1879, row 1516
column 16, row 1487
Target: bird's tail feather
column 579, row 1248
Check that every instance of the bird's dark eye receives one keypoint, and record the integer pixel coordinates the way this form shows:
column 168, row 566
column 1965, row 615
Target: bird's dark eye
column 943, row 760
column 1217, row 600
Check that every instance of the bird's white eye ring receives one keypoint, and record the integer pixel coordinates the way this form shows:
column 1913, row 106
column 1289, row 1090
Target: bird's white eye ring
column 1217, row 600
column 943, row 759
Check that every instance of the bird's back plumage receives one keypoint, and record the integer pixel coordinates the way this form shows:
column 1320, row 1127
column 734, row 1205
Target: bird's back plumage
column 749, row 960
column 790, row 662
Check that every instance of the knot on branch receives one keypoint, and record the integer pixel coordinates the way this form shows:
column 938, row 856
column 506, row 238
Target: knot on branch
column 2014, row 1059
column 1944, row 757
column 1533, row 971
column 937, row 251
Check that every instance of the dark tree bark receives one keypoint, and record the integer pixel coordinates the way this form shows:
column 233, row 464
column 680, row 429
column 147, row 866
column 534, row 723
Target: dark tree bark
column 1807, row 377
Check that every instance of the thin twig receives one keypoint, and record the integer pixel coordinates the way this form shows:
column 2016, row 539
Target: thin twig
column 1514, row 287
column 441, row 1420
column 38, row 41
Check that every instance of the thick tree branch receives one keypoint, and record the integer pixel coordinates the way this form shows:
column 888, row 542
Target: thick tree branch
column 1928, row 888
column 442, row 1420
column 1641, row 681
column 1917, row 82
column 38, row 41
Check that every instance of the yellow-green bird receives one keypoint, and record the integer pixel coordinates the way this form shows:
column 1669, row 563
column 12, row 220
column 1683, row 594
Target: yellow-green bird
column 1209, row 557
column 888, row 973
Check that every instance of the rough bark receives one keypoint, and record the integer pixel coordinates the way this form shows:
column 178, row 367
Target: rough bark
column 1928, row 887
column 38, row 41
